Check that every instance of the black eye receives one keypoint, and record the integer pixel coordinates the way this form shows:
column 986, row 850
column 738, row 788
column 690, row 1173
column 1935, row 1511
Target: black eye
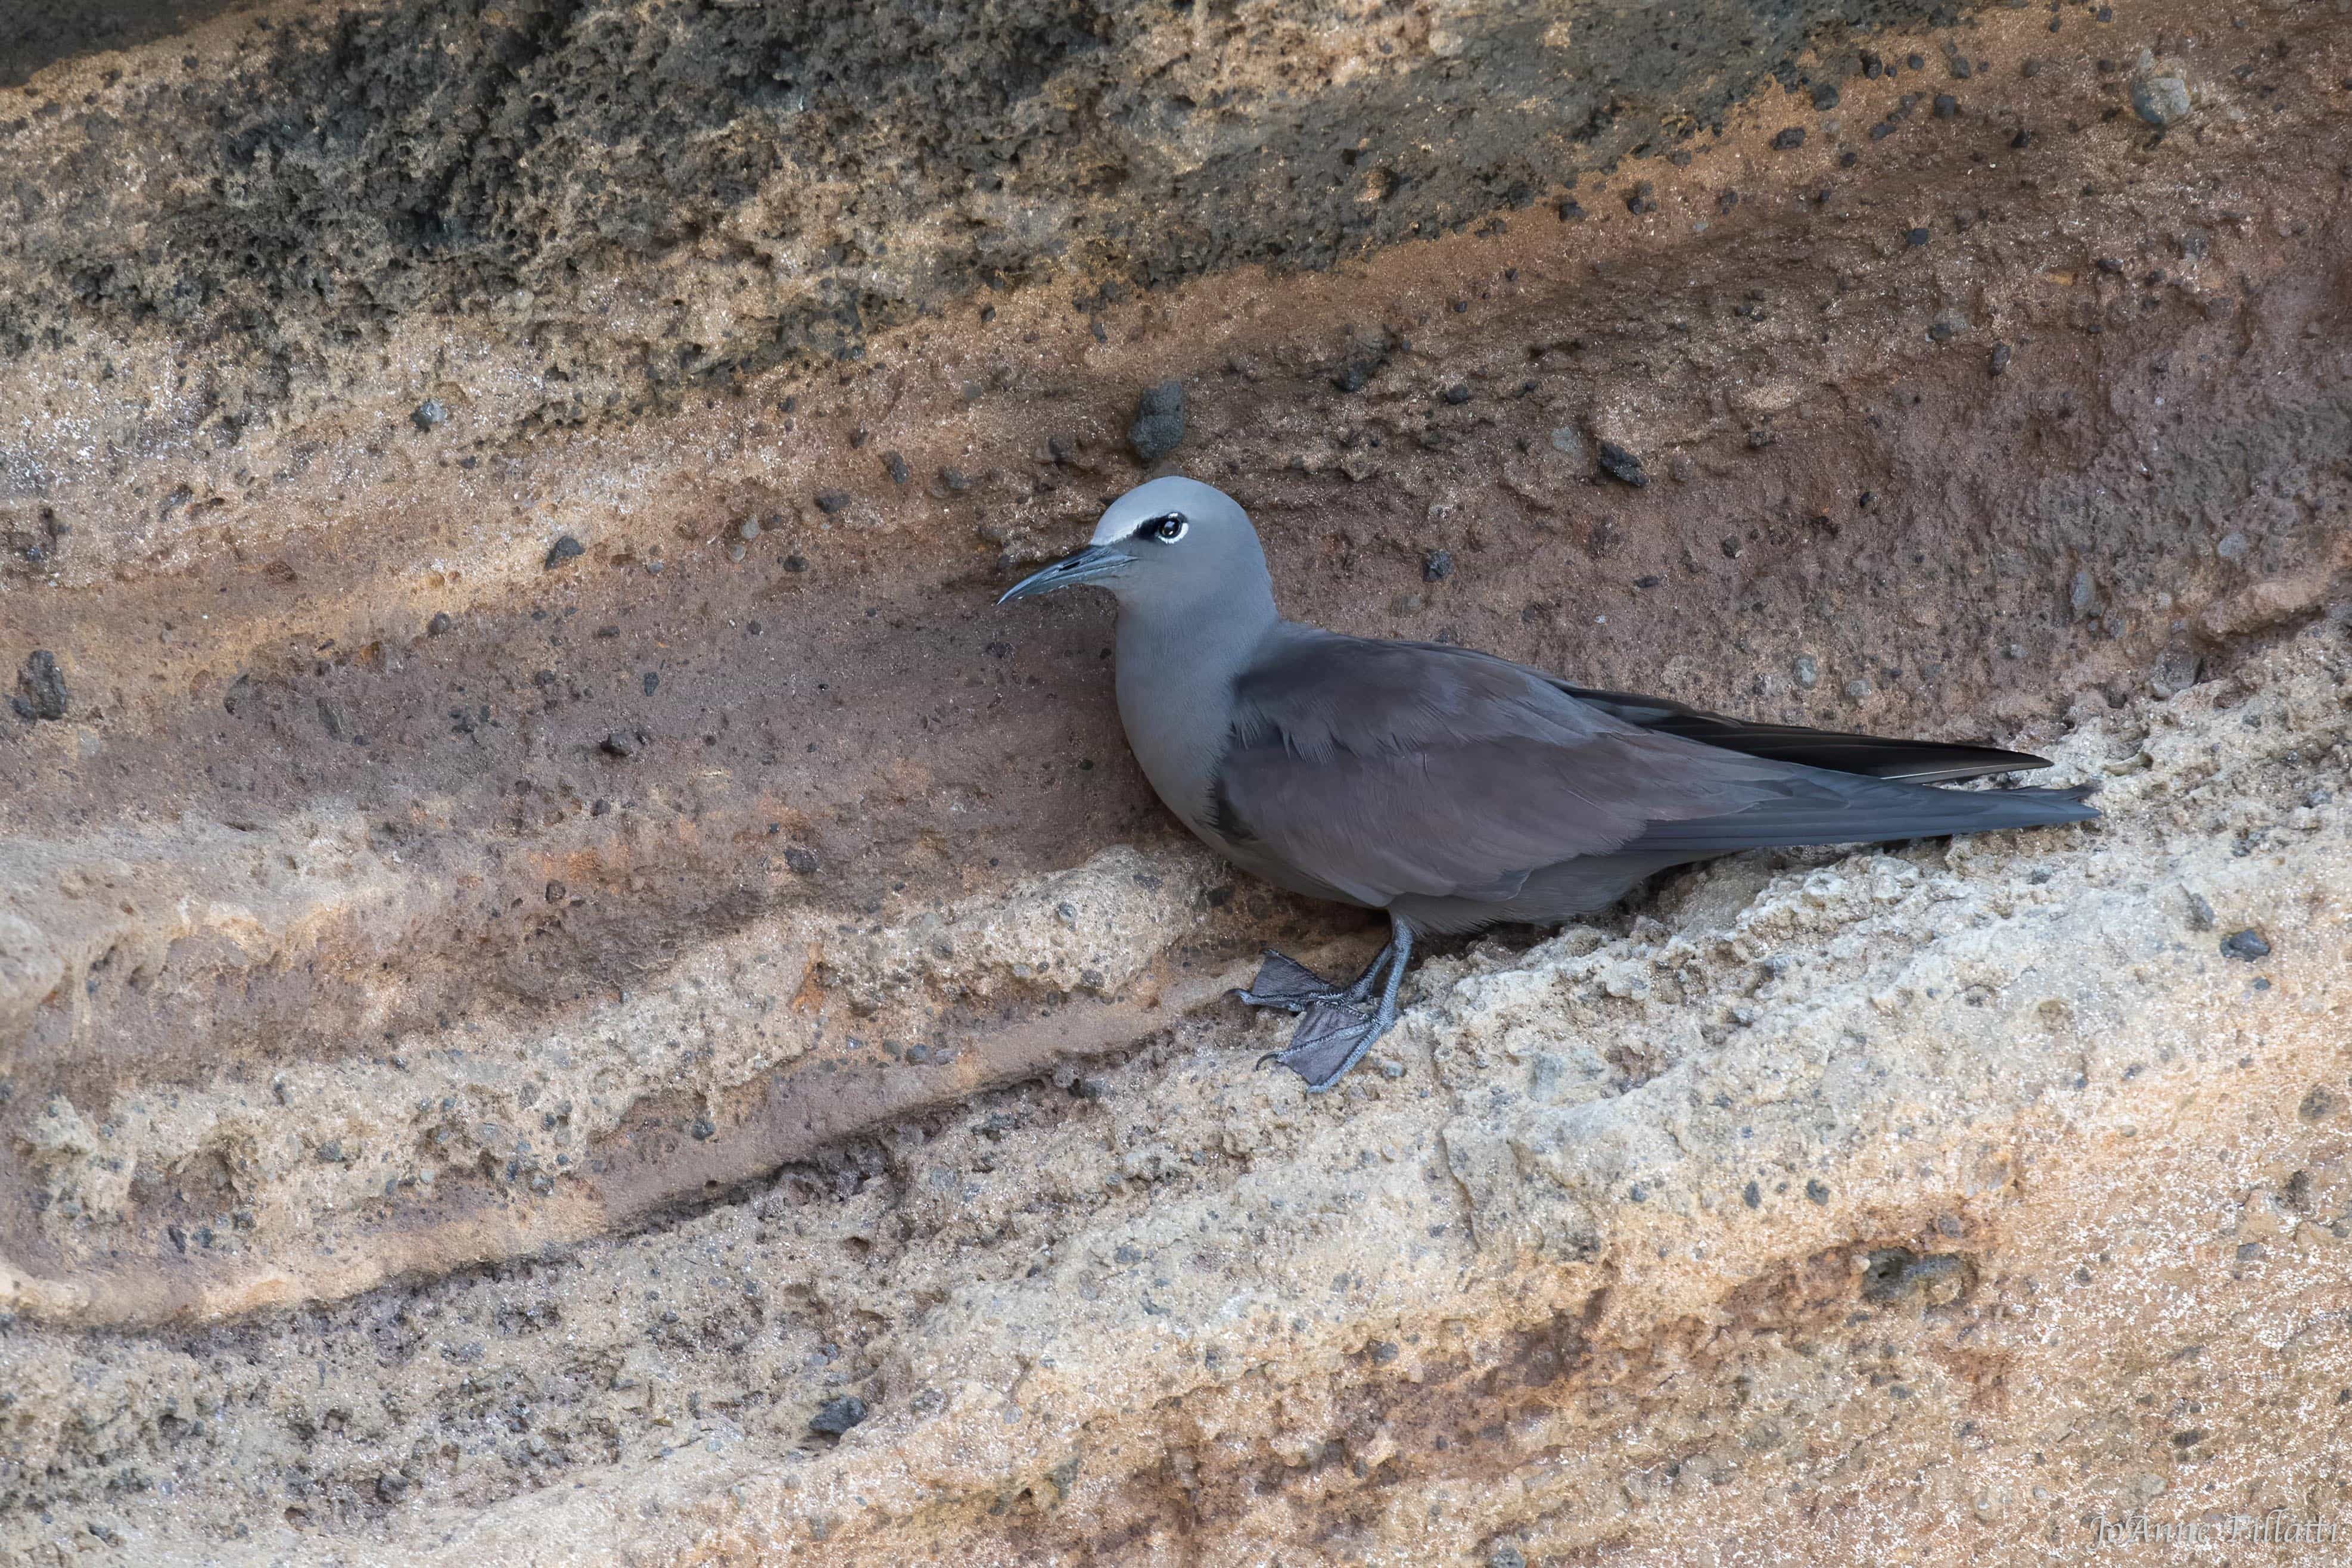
column 1170, row 529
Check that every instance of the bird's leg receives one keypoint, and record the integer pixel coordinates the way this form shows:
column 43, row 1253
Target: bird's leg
column 1283, row 982
column 1334, row 1034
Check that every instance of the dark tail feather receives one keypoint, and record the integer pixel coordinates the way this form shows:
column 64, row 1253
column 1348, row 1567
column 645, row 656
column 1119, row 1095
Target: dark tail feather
column 1836, row 809
column 1871, row 756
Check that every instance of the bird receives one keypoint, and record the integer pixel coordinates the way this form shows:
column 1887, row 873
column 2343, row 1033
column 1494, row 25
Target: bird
column 1451, row 789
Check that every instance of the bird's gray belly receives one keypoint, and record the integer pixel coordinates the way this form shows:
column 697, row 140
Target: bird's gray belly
column 1551, row 895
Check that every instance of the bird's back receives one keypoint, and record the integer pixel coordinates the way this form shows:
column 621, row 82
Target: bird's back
column 1462, row 789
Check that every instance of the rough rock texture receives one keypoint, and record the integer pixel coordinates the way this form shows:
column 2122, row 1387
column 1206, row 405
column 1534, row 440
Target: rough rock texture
column 497, row 1038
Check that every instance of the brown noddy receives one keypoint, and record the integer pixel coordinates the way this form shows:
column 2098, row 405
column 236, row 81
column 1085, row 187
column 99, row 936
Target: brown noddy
column 1448, row 788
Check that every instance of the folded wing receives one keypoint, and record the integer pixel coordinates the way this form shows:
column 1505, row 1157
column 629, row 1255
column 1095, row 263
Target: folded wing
column 1381, row 769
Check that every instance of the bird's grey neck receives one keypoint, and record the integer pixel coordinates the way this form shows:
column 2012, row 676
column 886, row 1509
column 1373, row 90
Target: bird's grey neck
column 1176, row 671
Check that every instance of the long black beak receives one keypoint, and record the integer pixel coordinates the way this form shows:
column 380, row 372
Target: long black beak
column 1089, row 565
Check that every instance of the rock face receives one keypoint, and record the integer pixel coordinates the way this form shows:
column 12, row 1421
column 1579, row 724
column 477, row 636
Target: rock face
column 569, row 991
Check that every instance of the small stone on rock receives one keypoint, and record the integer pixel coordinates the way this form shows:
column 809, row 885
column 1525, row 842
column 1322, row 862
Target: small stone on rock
column 2245, row 944
column 1621, row 464
column 2159, row 99
column 1159, row 427
column 835, row 1417
column 43, row 685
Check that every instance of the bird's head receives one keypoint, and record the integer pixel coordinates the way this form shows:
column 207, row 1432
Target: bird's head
column 1172, row 543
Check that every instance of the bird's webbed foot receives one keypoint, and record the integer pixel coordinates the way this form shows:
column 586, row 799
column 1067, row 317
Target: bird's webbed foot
column 1335, row 1031
column 1331, row 1037
column 1283, row 982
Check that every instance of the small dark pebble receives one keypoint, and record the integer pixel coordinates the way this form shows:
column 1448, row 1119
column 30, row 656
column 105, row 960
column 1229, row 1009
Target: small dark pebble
column 1999, row 363
column 1159, row 427
column 1939, row 331
column 952, row 480
column 620, row 743
column 1881, row 131
column 564, row 549
column 1570, row 211
column 2244, row 945
column 1789, row 140
column 796, row 563
column 1621, row 464
column 1915, row 62
column 601, row 808
column 895, row 466
column 439, row 623
column 43, row 687
column 555, row 892
column 1947, row 106
column 2023, row 140
column 1752, row 1196
column 1818, row 1191
column 831, row 502
column 1825, row 96
column 835, row 1417
column 801, row 861
column 1456, row 395
column 1915, row 236
column 1436, row 566
column 652, row 681
column 428, row 414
